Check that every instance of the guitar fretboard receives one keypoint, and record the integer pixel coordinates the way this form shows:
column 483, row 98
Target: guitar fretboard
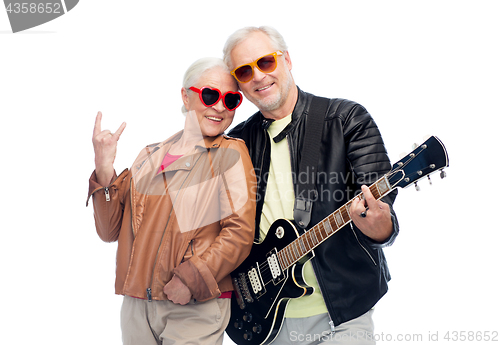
column 312, row 238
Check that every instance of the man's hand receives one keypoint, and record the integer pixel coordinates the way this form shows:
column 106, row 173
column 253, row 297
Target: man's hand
column 105, row 144
column 377, row 222
column 177, row 292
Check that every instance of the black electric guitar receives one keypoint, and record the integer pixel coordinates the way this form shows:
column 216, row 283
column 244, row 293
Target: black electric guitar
column 272, row 274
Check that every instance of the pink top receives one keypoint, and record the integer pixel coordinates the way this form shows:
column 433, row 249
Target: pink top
column 169, row 159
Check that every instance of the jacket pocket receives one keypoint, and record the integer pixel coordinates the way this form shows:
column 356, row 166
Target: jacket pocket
column 189, row 252
column 363, row 248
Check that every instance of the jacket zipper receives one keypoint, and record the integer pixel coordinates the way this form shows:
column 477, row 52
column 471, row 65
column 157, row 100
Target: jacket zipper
column 263, row 154
column 149, row 294
column 363, row 247
column 148, row 290
column 292, row 160
column 257, row 238
column 332, row 325
column 106, row 190
column 292, row 167
column 131, row 208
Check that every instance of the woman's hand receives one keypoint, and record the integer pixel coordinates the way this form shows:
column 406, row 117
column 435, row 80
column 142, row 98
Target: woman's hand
column 177, row 292
column 105, row 144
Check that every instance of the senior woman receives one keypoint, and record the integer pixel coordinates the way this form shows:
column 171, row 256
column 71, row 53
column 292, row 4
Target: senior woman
column 183, row 216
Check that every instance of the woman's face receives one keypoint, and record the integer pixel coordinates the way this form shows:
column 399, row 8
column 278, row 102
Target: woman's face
column 215, row 119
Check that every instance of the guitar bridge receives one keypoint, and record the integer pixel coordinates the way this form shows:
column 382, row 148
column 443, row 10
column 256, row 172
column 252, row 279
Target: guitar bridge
column 242, row 291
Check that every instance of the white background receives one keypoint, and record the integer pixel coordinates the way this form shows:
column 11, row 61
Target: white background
column 419, row 67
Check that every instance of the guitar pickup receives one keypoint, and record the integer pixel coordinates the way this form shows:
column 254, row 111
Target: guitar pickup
column 255, row 282
column 274, row 267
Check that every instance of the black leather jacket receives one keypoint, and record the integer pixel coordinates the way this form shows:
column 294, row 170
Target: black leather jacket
column 351, row 269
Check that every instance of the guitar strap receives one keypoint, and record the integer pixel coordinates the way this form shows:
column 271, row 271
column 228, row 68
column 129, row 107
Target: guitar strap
column 306, row 192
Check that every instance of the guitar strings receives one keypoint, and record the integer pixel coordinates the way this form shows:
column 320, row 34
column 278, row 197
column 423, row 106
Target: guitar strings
column 292, row 252
column 395, row 170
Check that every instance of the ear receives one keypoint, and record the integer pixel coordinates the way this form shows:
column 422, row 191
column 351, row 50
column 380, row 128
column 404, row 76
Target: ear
column 185, row 98
column 288, row 60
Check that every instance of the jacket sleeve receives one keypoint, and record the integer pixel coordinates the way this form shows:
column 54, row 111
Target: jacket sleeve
column 108, row 205
column 202, row 273
column 369, row 160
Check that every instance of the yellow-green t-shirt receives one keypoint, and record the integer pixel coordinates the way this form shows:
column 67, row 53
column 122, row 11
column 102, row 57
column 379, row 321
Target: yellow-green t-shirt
column 278, row 203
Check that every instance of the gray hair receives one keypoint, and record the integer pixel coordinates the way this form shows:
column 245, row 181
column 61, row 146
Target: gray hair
column 238, row 36
column 196, row 70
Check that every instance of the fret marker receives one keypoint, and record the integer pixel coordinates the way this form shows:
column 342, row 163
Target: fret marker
column 327, row 226
column 338, row 219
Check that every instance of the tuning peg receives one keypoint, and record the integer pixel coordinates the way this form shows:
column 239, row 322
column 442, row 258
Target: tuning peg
column 417, row 187
column 429, row 179
column 415, row 145
column 442, row 174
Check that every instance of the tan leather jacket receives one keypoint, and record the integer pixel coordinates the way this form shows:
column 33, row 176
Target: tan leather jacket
column 194, row 219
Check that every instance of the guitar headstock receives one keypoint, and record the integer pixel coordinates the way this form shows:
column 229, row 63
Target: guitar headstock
column 425, row 159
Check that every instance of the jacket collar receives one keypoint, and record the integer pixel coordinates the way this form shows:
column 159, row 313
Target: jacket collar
column 205, row 143
column 156, row 153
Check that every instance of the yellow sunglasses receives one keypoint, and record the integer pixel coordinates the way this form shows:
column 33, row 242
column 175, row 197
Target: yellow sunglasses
column 265, row 64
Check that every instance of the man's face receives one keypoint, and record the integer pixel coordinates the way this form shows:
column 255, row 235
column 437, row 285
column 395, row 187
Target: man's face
column 268, row 91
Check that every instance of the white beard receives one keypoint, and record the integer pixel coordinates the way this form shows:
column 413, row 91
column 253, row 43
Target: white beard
column 278, row 101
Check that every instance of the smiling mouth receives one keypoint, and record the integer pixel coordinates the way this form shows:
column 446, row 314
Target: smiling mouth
column 264, row 87
column 216, row 119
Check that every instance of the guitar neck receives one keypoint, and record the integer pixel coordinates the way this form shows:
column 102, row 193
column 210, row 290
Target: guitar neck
column 312, row 238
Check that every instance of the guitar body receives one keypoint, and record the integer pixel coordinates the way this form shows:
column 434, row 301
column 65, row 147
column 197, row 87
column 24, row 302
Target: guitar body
column 257, row 315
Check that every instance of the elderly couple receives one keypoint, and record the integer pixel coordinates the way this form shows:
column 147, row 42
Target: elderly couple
column 186, row 213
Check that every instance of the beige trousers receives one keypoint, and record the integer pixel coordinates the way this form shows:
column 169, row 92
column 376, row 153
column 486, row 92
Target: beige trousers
column 166, row 323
